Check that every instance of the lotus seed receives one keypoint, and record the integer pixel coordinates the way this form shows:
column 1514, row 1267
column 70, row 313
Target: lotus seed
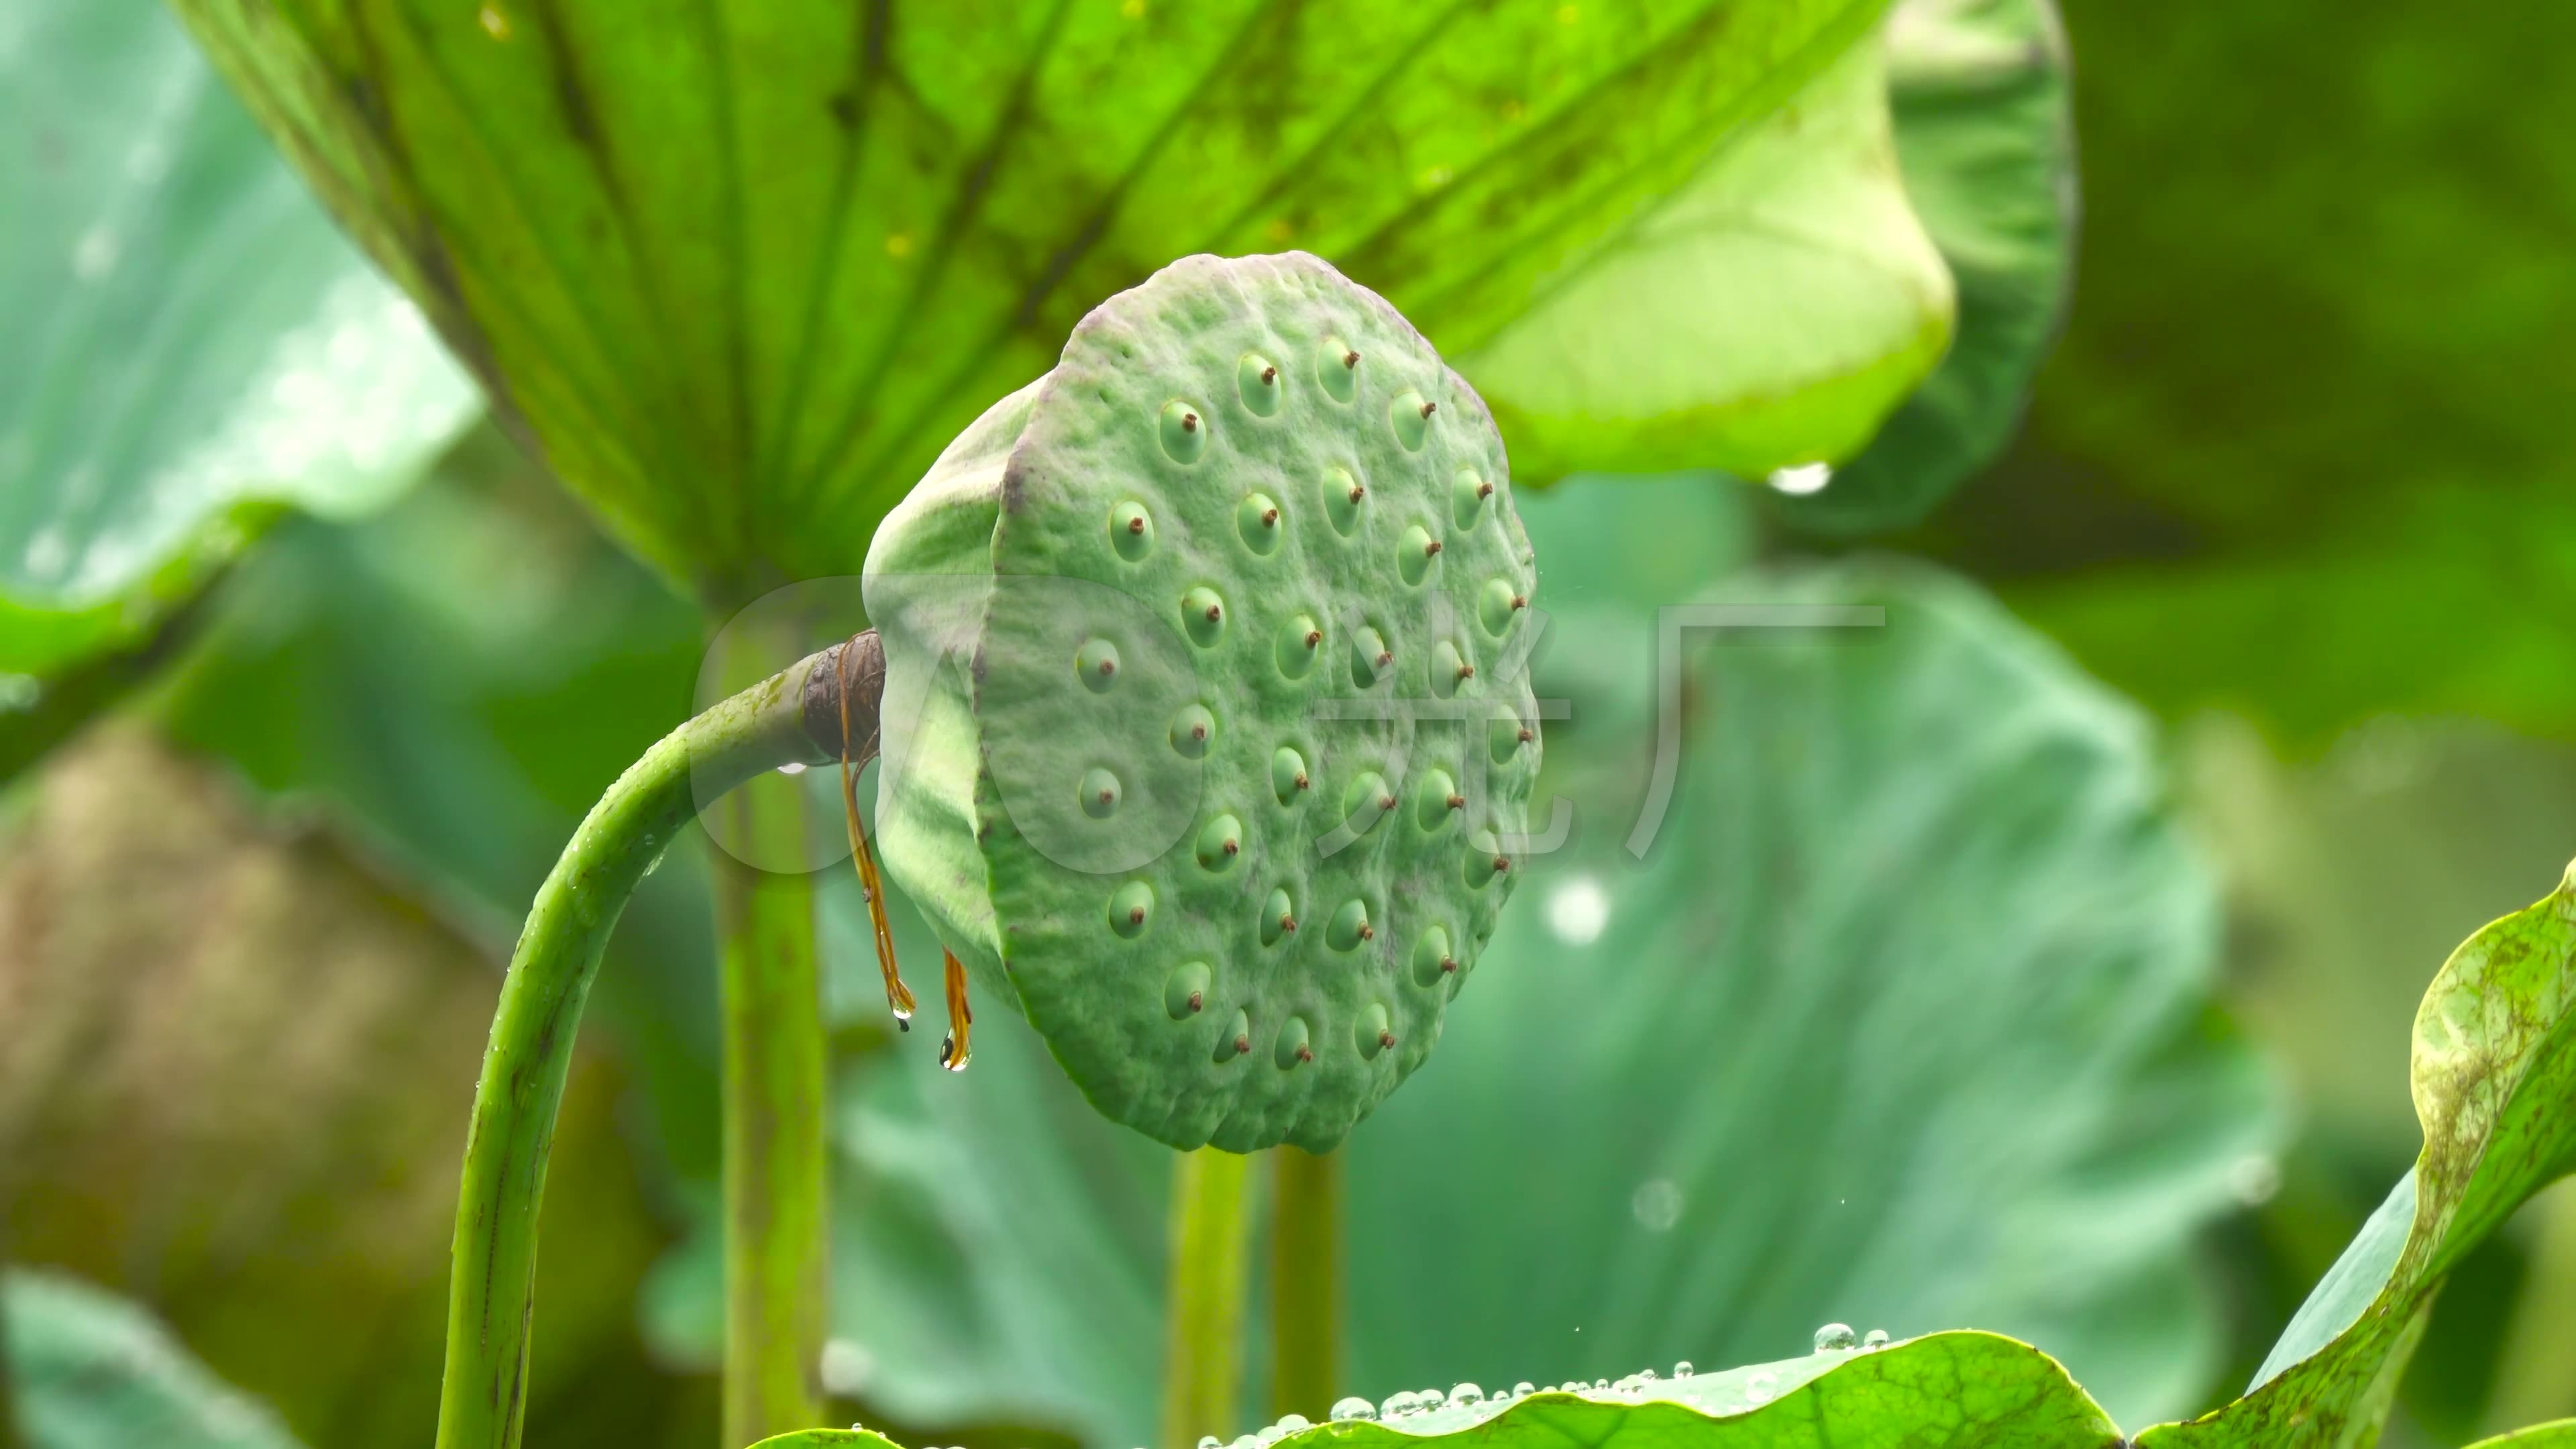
column 1288, row 775
column 1278, row 917
column 1258, row 381
column 1414, row 554
column 1366, row 802
column 1496, row 606
column 1449, row 669
column 1099, row 794
column 1192, row 730
column 1505, row 735
column 1203, row 615
column 1184, row 431
column 1250, row 369
column 1350, row 926
column 1337, row 368
column 1369, row 656
column 1410, row 416
column 1097, row 662
column 1292, row 1047
column 1435, row 797
column 1431, row 958
column 1185, row 993
column 1300, row 640
column 1485, row 860
column 1131, row 530
column 1220, row 841
column 1256, row 518
column 1343, row 496
column 1130, row 907
column 1467, row 494
column 1374, row 1032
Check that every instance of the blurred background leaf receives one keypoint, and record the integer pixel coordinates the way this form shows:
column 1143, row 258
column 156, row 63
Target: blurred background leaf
column 237, row 1056
column 192, row 339
column 1980, row 94
column 93, row 1371
column 2299, row 452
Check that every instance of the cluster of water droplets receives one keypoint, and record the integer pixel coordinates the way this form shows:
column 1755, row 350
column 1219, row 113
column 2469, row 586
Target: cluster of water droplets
column 1759, row 1388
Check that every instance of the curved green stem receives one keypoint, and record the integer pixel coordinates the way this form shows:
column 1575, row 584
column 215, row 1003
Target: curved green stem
column 490, row 1296
column 1211, row 1251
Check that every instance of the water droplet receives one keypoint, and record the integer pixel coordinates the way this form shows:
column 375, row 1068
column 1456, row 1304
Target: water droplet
column 1578, row 910
column 1211, row 1442
column 1397, row 1404
column 1802, row 479
column 1522, row 1390
column 792, row 767
column 1834, row 1337
column 1430, row 1399
column 1293, row 1423
column 1345, row 1410
column 1656, row 1204
column 1682, row 1370
column 1466, row 1396
column 1875, row 1338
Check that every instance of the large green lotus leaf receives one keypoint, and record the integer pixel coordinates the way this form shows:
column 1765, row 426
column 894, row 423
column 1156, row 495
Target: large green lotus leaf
column 1902, row 1019
column 2494, row 1070
column 1980, row 91
column 89, row 1370
column 743, row 268
column 1945, row 1391
column 189, row 335
column 1769, row 312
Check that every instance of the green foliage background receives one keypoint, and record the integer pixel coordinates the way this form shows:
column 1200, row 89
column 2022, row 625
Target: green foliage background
column 2292, row 482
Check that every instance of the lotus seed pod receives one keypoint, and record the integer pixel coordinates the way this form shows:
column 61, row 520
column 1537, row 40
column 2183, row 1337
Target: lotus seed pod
column 1206, row 736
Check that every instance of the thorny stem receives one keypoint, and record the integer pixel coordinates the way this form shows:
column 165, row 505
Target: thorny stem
column 1211, row 1249
column 790, row 718
column 1305, row 1281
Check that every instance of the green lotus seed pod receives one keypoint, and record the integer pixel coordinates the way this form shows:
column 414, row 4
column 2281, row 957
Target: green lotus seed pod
column 1236, row 470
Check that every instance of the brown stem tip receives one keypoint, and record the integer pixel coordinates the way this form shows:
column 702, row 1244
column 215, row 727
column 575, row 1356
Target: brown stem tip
column 1350, row 359
column 1457, row 802
column 1189, row 422
column 1429, row 408
column 1431, row 548
column 1136, row 525
column 1484, row 490
column 1197, row 1000
column 1269, row 375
